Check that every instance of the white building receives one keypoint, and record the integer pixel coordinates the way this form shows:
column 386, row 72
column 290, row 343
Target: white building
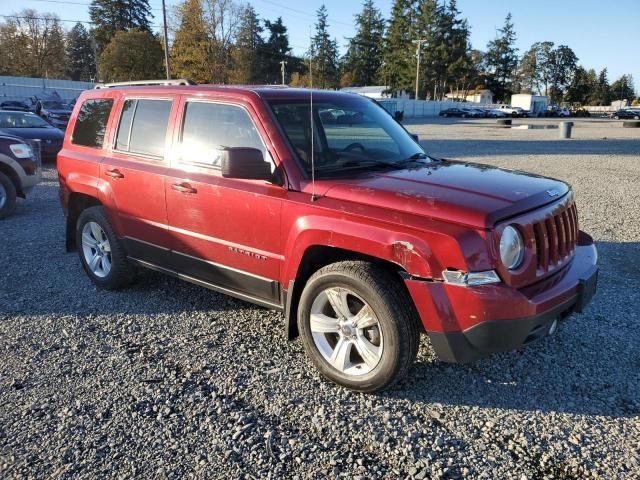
column 483, row 96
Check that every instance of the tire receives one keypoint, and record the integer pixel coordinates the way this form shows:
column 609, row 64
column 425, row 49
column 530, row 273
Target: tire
column 464, row 115
column 514, row 115
column 7, row 196
column 390, row 337
column 94, row 234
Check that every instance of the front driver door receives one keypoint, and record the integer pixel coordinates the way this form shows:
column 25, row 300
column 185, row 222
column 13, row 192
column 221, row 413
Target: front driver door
column 225, row 232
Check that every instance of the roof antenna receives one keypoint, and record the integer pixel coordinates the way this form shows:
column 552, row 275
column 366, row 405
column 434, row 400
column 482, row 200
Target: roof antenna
column 313, row 163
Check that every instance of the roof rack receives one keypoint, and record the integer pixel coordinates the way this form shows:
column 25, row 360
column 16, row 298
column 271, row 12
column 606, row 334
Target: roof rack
column 141, row 83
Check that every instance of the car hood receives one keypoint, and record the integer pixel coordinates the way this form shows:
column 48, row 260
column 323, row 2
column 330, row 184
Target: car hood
column 44, row 133
column 57, row 111
column 465, row 193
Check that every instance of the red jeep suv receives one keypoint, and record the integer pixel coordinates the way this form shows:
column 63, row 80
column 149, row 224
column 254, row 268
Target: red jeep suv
column 320, row 205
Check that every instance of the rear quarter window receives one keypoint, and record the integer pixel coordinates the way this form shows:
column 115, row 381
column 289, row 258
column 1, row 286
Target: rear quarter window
column 91, row 123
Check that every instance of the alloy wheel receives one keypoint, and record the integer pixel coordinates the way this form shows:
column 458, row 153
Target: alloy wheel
column 346, row 331
column 96, row 249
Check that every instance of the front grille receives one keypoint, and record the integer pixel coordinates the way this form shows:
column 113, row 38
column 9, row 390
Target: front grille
column 555, row 238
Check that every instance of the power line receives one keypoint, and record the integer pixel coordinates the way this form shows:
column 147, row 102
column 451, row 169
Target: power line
column 85, row 4
column 23, row 17
column 303, row 12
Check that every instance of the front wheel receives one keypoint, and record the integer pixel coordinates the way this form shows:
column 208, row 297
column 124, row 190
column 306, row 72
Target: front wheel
column 358, row 325
column 102, row 255
column 7, row 196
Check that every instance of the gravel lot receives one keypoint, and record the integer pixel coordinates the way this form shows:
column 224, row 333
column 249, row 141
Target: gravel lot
column 169, row 380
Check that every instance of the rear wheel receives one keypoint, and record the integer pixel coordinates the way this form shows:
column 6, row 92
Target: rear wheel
column 358, row 325
column 7, row 196
column 101, row 253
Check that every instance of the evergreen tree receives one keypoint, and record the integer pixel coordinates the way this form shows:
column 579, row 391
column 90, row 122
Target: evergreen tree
column 189, row 57
column 276, row 48
column 363, row 59
column 324, row 54
column 398, row 69
column 602, row 94
column 132, row 55
column 582, row 86
column 622, row 88
column 249, row 50
column 111, row 16
column 502, row 60
column 81, row 63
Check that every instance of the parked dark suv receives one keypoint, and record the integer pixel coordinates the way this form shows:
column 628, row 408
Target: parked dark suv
column 20, row 171
column 321, row 206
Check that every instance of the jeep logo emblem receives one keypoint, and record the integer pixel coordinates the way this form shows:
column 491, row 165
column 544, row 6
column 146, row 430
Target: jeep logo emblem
column 553, row 193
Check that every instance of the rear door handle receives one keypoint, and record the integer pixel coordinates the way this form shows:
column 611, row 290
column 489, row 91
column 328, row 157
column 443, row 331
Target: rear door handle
column 114, row 173
column 183, row 188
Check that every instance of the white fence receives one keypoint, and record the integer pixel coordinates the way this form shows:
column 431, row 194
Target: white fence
column 426, row 108
column 24, row 87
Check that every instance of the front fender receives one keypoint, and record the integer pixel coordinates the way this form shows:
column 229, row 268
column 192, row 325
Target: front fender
column 404, row 249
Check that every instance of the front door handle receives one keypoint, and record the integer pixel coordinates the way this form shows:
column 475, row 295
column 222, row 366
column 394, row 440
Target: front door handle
column 114, row 173
column 183, row 188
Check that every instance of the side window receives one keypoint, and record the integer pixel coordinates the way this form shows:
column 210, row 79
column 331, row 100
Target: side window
column 210, row 127
column 91, row 123
column 143, row 127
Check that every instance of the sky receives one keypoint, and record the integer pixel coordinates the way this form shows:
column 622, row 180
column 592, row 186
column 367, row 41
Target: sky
column 602, row 34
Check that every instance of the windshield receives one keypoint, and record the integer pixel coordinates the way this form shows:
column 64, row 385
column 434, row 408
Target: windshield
column 21, row 120
column 349, row 134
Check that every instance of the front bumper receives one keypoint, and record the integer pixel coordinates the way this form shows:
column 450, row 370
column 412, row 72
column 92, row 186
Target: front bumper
column 468, row 323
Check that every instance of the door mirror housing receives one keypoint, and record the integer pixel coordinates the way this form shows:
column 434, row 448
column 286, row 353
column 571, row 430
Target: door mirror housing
column 246, row 163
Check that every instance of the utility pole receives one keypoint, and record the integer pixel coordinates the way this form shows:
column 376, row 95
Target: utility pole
column 418, row 48
column 166, row 41
column 282, row 64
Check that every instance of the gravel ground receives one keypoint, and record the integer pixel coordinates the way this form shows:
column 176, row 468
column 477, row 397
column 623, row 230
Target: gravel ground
column 169, row 380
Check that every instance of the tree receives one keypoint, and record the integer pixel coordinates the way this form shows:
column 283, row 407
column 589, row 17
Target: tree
column 13, row 49
column 189, row 57
column 276, row 48
column 324, row 54
column 363, row 59
column 132, row 55
column 32, row 45
column 622, row 88
column 502, row 60
column 221, row 20
column 398, row 68
column 583, row 84
column 563, row 63
column 111, row 16
column 602, row 94
column 81, row 64
column 249, row 50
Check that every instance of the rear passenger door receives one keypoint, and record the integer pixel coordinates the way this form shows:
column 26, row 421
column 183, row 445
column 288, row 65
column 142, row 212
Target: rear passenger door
column 225, row 231
column 135, row 169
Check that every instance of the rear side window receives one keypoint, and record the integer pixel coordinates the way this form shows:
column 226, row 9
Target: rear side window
column 91, row 123
column 143, row 127
column 210, row 127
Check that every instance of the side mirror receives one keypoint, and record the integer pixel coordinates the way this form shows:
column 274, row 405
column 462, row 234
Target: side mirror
column 247, row 163
column 415, row 137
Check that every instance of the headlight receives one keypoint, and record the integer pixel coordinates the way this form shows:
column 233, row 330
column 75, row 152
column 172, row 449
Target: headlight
column 20, row 150
column 511, row 248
